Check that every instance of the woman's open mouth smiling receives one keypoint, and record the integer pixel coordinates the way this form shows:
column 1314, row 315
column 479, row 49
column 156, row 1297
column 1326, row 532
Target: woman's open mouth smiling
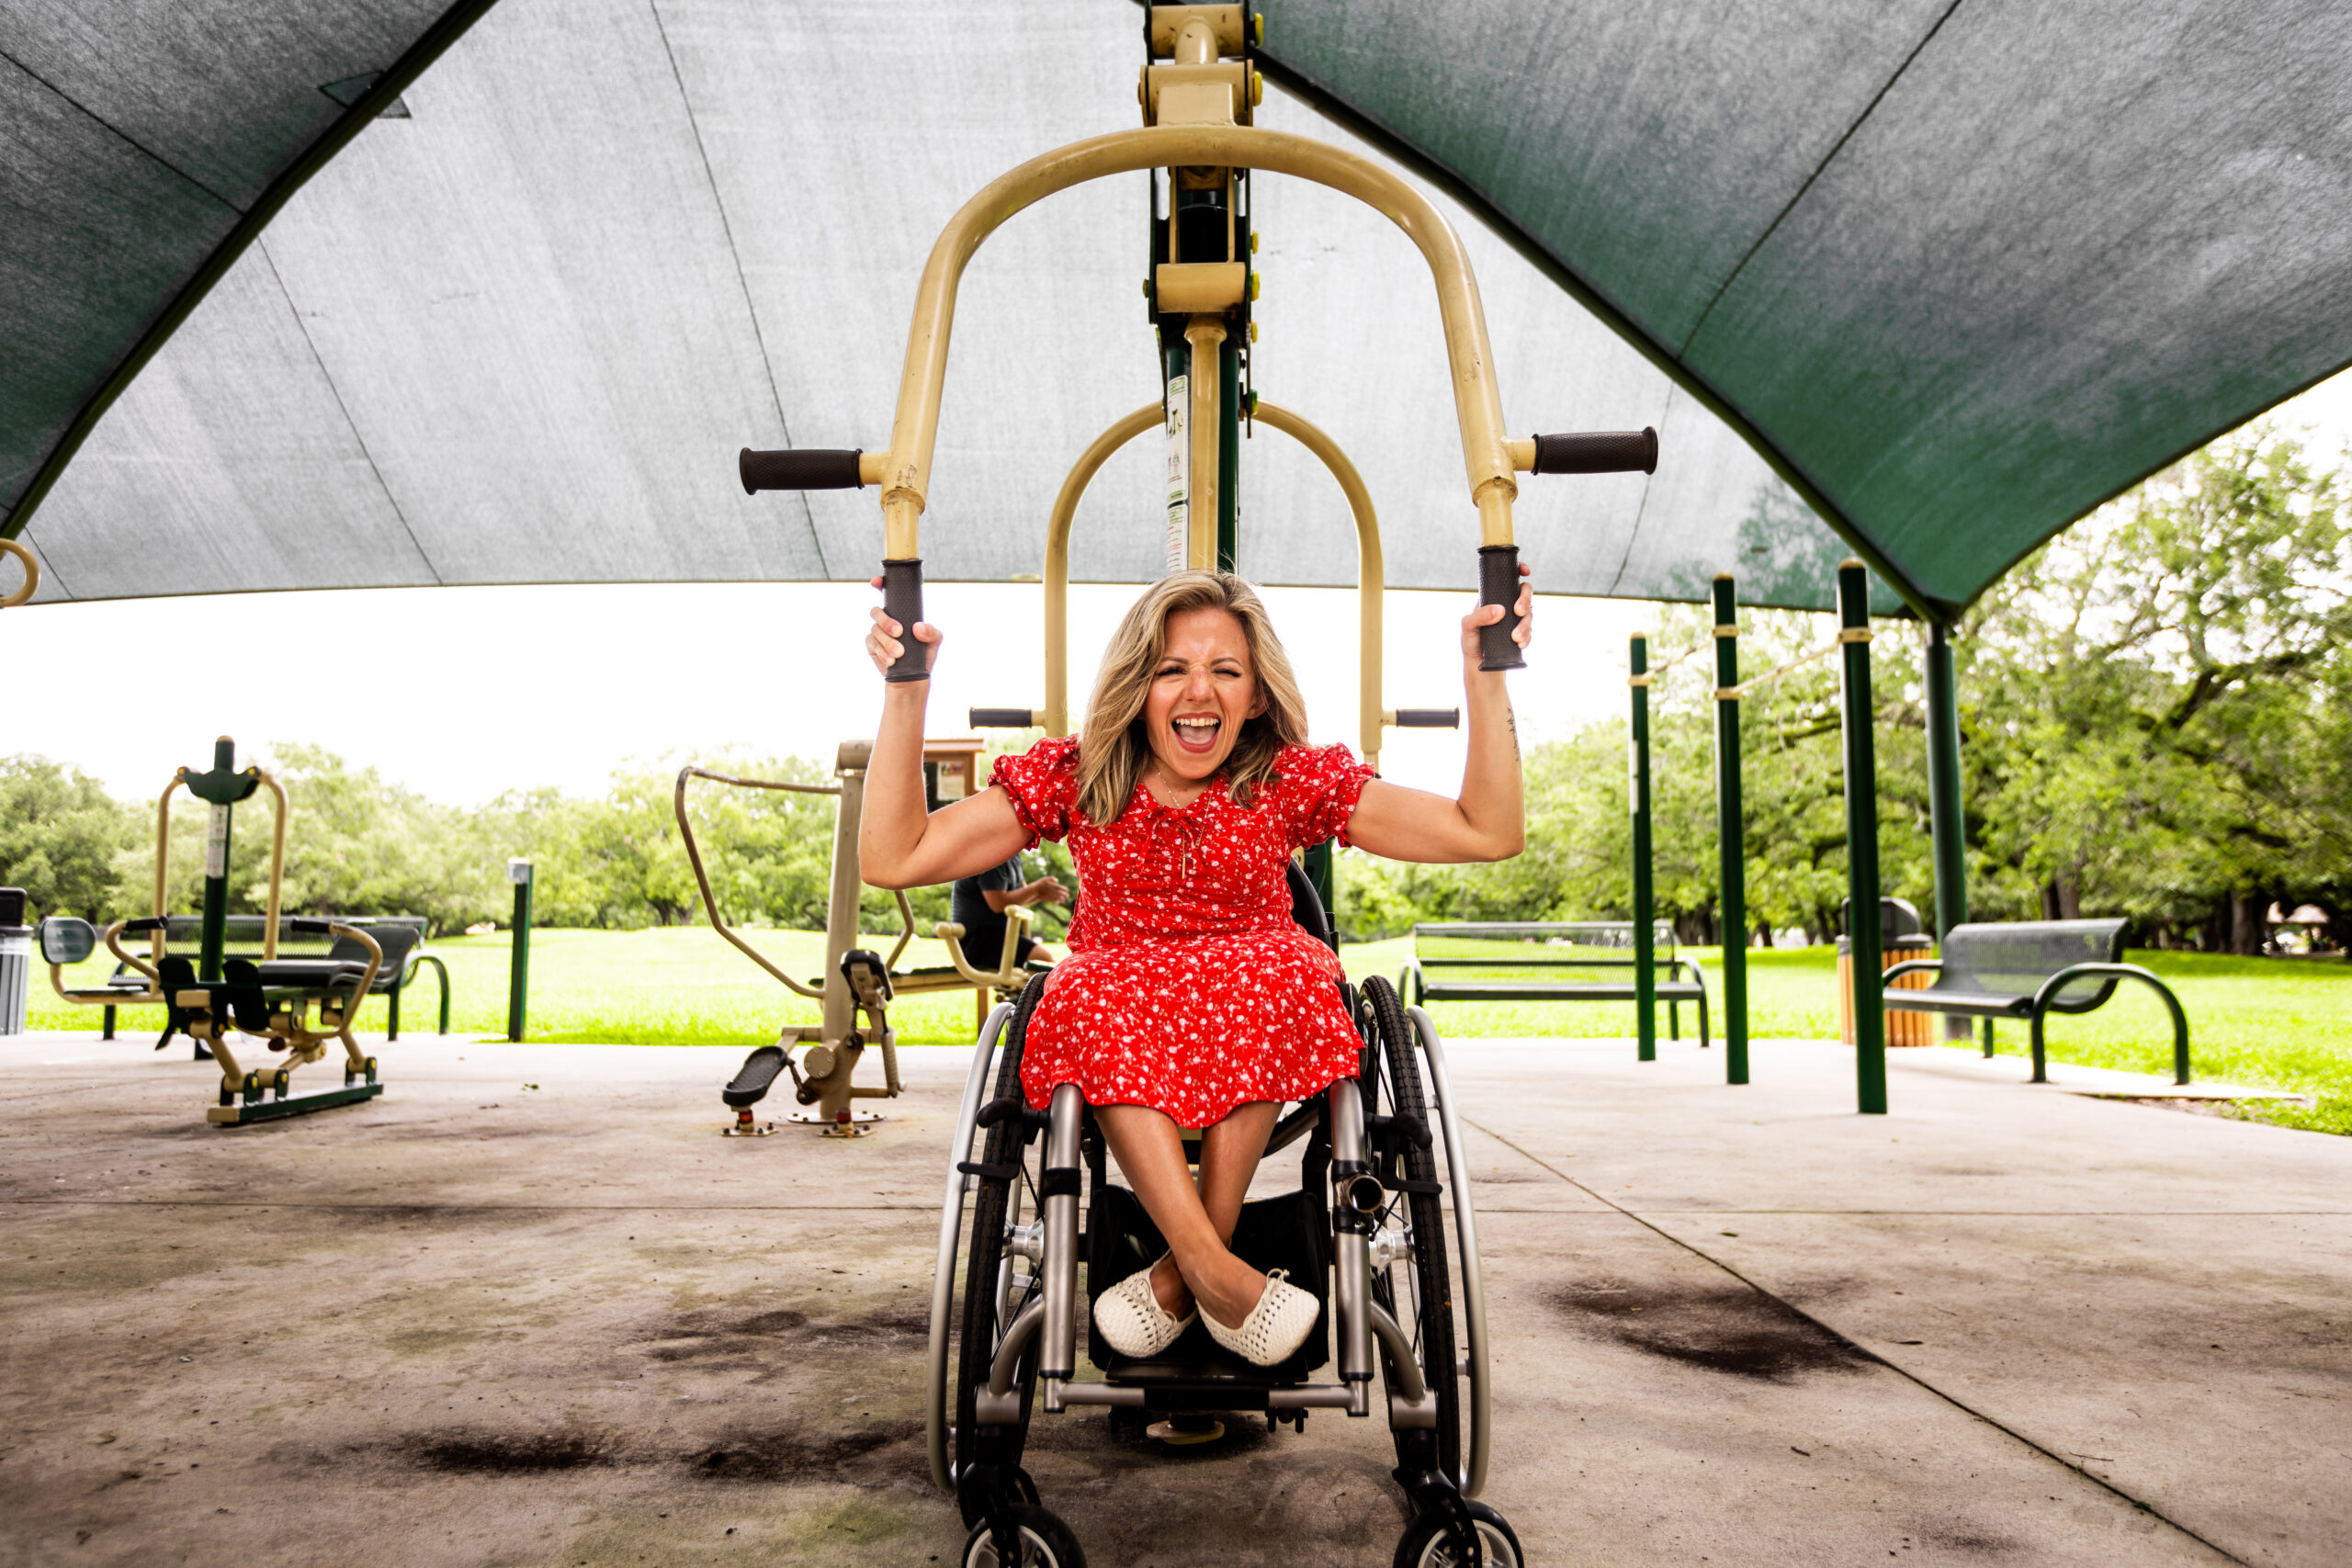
column 1196, row 732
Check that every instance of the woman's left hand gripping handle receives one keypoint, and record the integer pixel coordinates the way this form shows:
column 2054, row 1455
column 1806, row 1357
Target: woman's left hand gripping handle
column 900, row 656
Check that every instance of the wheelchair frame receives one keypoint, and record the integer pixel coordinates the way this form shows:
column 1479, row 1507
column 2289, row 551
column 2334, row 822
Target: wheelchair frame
column 1386, row 1217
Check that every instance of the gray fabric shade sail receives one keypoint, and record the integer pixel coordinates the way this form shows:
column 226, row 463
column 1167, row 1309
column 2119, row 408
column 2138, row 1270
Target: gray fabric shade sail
column 1935, row 278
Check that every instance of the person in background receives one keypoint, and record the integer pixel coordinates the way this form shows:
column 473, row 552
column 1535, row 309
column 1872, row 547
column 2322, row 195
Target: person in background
column 980, row 903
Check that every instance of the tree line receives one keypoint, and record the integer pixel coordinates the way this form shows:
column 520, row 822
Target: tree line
column 2155, row 714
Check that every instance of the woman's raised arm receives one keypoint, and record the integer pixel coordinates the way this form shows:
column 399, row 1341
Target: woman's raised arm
column 1489, row 821
column 900, row 843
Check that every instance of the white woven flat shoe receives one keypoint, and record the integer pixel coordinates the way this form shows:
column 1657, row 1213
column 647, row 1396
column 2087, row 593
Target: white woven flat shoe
column 1275, row 1327
column 1132, row 1319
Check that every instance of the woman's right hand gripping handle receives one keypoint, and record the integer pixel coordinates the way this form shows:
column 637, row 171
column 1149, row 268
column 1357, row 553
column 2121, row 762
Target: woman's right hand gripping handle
column 885, row 642
column 900, row 843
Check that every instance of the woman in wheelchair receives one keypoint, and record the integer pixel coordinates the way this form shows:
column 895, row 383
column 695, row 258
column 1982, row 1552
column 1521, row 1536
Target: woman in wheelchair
column 1189, row 998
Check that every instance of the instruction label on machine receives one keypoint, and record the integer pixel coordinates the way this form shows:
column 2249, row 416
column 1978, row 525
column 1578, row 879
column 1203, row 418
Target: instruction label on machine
column 1180, row 474
column 216, row 844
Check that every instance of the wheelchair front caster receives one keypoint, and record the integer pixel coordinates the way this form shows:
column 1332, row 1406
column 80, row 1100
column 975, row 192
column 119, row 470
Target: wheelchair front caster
column 1044, row 1541
column 1434, row 1540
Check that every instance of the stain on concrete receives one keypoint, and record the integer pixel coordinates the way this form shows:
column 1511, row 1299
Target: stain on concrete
column 1970, row 1541
column 796, row 1451
column 714, row 1335
column 1732, row 1329
column 475, row 1452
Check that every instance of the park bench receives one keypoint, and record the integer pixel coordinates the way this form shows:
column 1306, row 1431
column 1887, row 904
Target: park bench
column 1448, row 947
column 304, row 958
column 2030, row 969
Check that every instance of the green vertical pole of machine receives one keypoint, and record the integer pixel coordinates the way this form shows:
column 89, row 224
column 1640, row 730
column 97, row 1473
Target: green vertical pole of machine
column 1863, row 927
column 1730, row 838
column 213, row 940
column 518, row 977
column 1637, row 791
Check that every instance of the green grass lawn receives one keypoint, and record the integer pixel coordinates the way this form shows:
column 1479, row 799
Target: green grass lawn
column 2281, row 1022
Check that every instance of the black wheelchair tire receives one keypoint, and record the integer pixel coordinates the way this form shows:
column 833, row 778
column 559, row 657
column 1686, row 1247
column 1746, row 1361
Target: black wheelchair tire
column 1400, row 1074
column 1432, row 1542
column 976, row 1342
column 1047, row 1542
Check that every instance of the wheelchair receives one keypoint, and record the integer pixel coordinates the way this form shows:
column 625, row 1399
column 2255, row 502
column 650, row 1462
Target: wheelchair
column 1366, row 1231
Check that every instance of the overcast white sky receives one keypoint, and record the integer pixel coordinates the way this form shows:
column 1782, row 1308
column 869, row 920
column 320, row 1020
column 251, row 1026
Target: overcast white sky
column 462, row 692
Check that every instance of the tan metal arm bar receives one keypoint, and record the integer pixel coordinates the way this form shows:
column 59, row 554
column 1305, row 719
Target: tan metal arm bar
column 702, row 878
column 276, row 860
column 32, row 573
column 1477, row 402
column 1371, row 577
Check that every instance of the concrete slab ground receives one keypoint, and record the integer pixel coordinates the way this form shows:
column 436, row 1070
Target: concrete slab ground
column 528, row 1308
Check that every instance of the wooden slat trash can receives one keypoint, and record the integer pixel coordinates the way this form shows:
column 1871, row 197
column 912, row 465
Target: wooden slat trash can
column 1900, row 941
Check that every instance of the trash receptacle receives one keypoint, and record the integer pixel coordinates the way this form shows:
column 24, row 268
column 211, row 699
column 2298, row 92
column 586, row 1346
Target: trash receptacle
column 15, row 960
column 1900, row 941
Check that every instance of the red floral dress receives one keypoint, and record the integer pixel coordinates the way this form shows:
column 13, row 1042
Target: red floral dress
column 1188, row 986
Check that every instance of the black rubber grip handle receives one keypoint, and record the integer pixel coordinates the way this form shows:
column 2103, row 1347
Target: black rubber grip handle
column 140, row 927
column 309, row 925
column 1598, row 452
column 801, row 468
column 1430, row 718
column 902, row 601
column 1498, row 584
column 1002, row 718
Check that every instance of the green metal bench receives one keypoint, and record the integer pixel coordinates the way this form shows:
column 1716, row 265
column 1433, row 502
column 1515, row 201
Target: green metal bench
column 1605, row 945
column 2030, row 969
column 304, row 958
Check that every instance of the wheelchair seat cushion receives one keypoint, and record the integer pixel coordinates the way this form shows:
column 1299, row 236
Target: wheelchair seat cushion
column 1189, row 987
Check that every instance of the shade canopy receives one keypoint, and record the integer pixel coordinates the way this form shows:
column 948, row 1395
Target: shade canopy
column 1920, row 281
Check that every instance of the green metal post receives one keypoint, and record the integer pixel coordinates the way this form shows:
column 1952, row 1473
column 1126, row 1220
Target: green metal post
column 1861, row 837
column 1731, row 834
column 518, row 982
column 1637, row 791
column 1947, row 826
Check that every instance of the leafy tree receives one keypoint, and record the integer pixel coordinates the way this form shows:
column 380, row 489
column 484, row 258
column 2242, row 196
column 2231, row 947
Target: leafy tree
column 2155, row 715
column 59, row 836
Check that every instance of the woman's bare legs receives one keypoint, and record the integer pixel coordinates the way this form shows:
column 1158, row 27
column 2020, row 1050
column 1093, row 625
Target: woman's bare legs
column 1197, row 1221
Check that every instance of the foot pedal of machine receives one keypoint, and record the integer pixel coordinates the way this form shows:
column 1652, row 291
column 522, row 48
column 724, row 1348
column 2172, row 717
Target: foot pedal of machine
column 751, row 1083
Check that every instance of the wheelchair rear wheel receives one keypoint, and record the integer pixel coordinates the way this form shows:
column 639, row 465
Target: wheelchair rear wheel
column 1407, row 1166
column 998, row 1280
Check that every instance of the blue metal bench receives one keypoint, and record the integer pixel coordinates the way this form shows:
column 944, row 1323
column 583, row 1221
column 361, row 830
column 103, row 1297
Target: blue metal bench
column 2030, row 969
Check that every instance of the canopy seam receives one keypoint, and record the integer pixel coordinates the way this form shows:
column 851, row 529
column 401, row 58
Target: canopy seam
column 117, row 132
column 1818, row 169
column 1642, row 507
column 48, row 574
column 718, row 203
column 216, row 263
column 261, row 245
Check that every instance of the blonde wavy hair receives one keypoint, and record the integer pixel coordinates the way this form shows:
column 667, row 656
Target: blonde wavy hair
column 1113, row 749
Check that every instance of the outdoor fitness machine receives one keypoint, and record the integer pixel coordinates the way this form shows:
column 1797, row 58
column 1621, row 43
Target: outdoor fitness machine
column 294, row 1006
column 1197, row 91
column 856, row 982
column 1198, row 287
